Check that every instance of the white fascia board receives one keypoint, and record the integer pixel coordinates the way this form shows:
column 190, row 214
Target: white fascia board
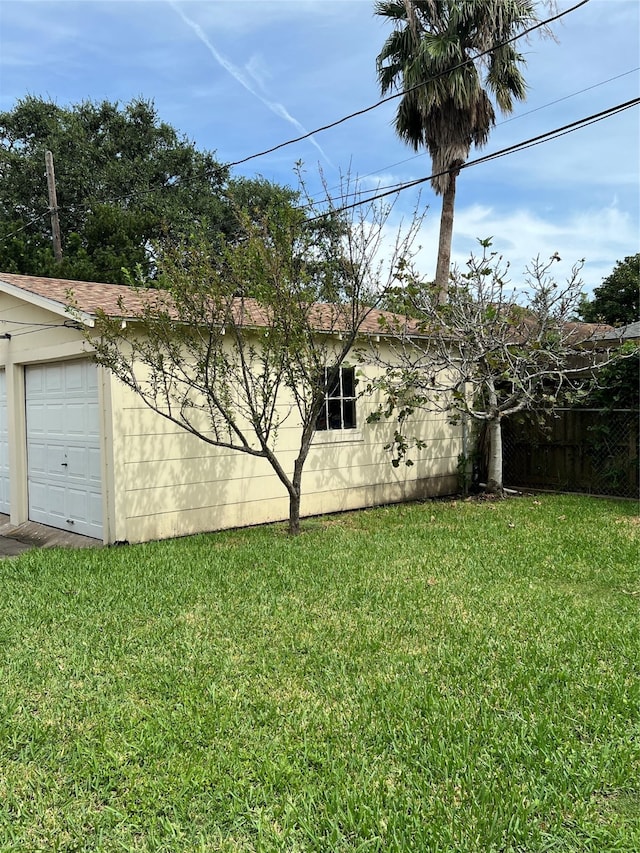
column 51, row 305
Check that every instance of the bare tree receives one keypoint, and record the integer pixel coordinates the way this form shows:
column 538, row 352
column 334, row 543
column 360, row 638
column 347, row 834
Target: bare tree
column 491, row 352
column 237, row 343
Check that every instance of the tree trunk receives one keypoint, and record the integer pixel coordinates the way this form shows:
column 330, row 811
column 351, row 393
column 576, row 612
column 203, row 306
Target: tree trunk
column 446, row 235
column 494, row 476
column 294, row 513
column 295, row 489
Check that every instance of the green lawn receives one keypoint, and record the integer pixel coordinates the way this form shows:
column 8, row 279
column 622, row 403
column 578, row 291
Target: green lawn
column 451, row 676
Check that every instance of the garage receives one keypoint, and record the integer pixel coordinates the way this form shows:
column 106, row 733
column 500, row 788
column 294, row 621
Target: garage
column 63, row 446
column 4, row 446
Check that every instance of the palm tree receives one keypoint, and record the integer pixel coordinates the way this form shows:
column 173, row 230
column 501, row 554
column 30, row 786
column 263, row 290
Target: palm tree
column 432, row 56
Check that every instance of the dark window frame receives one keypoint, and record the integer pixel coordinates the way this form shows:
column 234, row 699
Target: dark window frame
column 338, row 411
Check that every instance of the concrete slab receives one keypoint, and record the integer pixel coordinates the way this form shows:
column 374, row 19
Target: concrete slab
column 15, row 540
column 11, row 547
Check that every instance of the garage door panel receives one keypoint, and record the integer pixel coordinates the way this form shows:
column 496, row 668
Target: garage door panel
column 82, row 510
column 93, row 419
column 95, row 510
column 45, row 459
column 37, row 458
column 46, row 421
column 77, row 505
column 63, row 444
column 55, row 421
column 77, row 420
column 94, row 471
column 36, row 412
column 74, row 377
column 34, row 382
column 47, row 500
column 53, row 379
column 77, row 461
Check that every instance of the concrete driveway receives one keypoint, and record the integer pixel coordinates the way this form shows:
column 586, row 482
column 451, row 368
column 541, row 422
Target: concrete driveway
column 15, row 540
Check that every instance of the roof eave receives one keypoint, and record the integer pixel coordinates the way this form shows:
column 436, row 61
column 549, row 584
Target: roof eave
column 47, row 304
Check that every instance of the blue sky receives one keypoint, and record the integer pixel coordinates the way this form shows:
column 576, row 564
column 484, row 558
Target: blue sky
column 239, row 76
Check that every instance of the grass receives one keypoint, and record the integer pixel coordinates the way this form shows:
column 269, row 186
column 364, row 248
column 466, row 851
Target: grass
column 450, row 676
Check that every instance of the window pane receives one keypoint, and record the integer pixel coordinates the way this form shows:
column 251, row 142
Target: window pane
column 321, row 423
column 348, row 382
column 349, row 414
column 339, row 410
column 333, row 383
column 335, row 414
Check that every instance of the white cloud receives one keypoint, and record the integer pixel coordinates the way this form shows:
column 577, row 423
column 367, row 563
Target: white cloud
column 237, row 73
column 243, row 18
column 596, row 234
column 259, row 71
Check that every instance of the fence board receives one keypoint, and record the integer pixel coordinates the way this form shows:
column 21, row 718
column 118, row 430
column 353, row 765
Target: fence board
column 585, row 450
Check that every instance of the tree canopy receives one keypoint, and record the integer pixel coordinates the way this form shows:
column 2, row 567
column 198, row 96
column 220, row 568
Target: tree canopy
column 617, row 300
column 451, row 58
column 233, row 344
column 492, row 351
column 124, row 179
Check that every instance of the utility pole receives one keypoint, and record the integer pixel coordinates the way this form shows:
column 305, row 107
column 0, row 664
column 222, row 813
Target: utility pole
column 53, row 206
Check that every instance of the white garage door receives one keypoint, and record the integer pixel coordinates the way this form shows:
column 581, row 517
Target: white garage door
column 63, row 446
column 4, row 446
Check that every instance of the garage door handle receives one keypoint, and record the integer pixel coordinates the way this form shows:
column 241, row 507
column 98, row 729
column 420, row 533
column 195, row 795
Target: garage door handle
column 64, row 464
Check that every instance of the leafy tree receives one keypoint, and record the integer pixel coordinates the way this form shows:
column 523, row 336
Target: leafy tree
column 124, row 179
column 618, row 384
column 432, row 55
column 490, row 352
column 232, row 368
column 617, row 300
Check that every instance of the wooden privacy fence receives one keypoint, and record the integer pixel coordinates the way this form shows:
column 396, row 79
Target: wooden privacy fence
column 576, row 450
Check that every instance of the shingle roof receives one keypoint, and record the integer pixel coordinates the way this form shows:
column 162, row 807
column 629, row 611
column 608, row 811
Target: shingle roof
column 90, row 297
column 622, row 333
column 87, row 296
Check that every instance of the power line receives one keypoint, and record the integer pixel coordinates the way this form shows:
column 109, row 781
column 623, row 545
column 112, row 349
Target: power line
column 25, row 226
column 504, row 121
column 566, row 97
column 519, row 146
column 511, row 149
column 142, row 192
column 406, row 91
column 227, row 166
column 400, row 187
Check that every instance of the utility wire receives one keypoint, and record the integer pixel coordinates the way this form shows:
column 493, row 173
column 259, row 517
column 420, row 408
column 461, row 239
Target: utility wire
column 518, row 146
column 407, row 91
column 380, row 103
column 399, row 187
column 26, row 225
column 381, row 192
column 511, row 149
column 500, row 123
column 365, row 110
column 143, row 192
column 566, row 97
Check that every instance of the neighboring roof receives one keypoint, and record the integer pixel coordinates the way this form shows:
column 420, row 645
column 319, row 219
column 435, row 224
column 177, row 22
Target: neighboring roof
column 579, row 333
column 622, row 333
column 89, row 298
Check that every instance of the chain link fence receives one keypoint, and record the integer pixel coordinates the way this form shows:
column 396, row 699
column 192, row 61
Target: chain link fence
column 574, row 450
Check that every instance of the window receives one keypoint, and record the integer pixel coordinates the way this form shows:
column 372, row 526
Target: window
column 339, row 407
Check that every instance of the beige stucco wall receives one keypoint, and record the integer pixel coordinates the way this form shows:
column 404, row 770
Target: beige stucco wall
column 169, row 483
column 159, row 481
